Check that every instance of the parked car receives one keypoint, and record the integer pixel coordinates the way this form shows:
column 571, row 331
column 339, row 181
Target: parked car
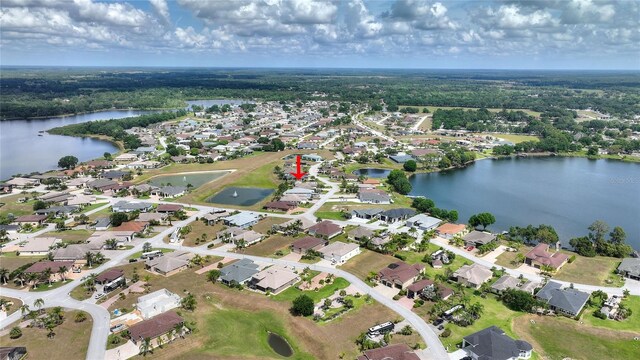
column 441, row 327
column 99, row 296
column 438, row 321
column 470, row 248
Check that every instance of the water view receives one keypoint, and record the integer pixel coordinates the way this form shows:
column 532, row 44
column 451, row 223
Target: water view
column 25, row 147
column 279, row 345
column 240, row 196
column 196, row 179
column 372, row 173
column 567, row 193
column 210, row 103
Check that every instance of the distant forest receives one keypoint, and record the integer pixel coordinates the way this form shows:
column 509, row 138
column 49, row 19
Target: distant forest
column 42, row 92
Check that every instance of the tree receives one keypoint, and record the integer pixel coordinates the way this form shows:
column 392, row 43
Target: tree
column 145, row 346
column 107, row 156
column 62, row 270
column 518, row 300
column 302, row 306
column 583, row 246
column 39, row 205
column 410, row 166
column 213, row 275
column 80, row 317
column 485, row 219
column 68, row 162
column 189, row 302
column 146, row 247
column 617, row 236
column 39, row 303
column 593, row 151
column 399, row 181
column 597, row 230
column 4, row 275
column 15, row 332
column 118, row 218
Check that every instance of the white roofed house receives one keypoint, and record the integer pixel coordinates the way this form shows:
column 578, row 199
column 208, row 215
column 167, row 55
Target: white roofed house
column 423, row 222
column 339, row 252
column 157, row 302
column 39, row 246
column 242, row 219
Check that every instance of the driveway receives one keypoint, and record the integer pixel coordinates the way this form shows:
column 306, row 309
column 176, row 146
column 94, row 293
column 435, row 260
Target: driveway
column 406, row 302
column 125, row 351
column 493, row 255
column 386, row 291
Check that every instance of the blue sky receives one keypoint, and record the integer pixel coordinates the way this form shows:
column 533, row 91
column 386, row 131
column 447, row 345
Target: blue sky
column 504, row 34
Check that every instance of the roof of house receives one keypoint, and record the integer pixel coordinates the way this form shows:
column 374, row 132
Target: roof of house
column 569, row 300
column 367, row 212
column 361, row 232
column 135, row 226
column 400, row 272
column 31, row 218
column 41, row 266
column 338, row 248
column 424, row 220
column 170, row 261
column 242, row 218
column 109, row 275
column 325, row 228
column 274, row 277
column 73, row 252
column 308, row 242
column 391, row 352
column 398, row 213
column 169, row 207
column 493, row 344
column 131, row 205
column 540, row 253
column 474, row 273
column 450, row 228
column 239, row 271
column 152, row 216
column 39, row 244
column 420, row 285
column 156, row 326
column 479, row 237
column 373, row 195
column 172, row 190
column 505, row 282
column 630, row 266
column 279, row 205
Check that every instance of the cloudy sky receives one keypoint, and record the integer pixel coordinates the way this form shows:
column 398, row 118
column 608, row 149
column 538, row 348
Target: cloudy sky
column 540, row 34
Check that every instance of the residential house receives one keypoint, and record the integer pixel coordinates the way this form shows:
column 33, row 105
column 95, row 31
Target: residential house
column 504, row 283
column 473, row 275
column 374, row 196
column 540, row 256
column 301, row 192
column 565, row 301
column 160, row 218
column 39, row 246
column 493, row 344
column 400, row 274
column 390, row 352
column 423, row 222
column 23, row 183
column 478, row 238
column 279, row 206
column 366, row 214
column 395, row 215
column 630, row 268
column 13, row 353
column 54, row 266
column 242, row 219
column 154, row 327
column 34, row 220
column 131, row 206
column 416, row 289
column 449, row 230
column 136, row 227
column 109, row 276
column 273, row 279
column 169, row 191
column 305, row 244
column 325, row 229
column 359, row 233
column 102, row 184
column 170, row 263
column 157, row 302
column 169, row 208
column 339, row 252
column 57, row 211
column 75, row 253
column 238, row 272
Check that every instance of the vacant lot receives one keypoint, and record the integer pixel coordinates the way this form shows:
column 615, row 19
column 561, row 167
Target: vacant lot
column 198, row 229
column 632, row 323
column 368, row 261
column 269, row 246
column 599, row 270
column 10, row 205
column 508, row 258
column 11, row 262
column 514, row 138
column 559, row 338
column 70, row 236
column 265, row 224
column 74, row 336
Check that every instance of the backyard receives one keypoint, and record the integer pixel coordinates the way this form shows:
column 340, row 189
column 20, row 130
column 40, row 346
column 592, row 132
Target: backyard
column 599, row 270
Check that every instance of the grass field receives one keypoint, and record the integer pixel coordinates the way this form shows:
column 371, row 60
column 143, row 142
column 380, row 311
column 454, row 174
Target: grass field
column 40, row 347
column 265, row 224
column 100, row 214
column 507, row 258
column 514, row 138
column 198, row 228
column 560, row 338
column 367, row 261
column 326, row 291
column 94, row 206
column 70, row 236
column 269, row 246
column 12, row 206
column 434, row 108
column 597, row 270
column 12, row 262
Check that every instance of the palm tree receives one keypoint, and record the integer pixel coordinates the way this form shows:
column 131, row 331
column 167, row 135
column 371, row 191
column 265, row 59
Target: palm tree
column 39, row 303
column 46, row 275
column 160, row 342
column 57, row 314
column 20, row 277
column 145, row 346
column 24, row 309
column 62, row 270
column 179, row 329
column 15, row 332
column 89, row 257
column 4, row 275
column 32, row 279
column 111, row 244
column 80, row 317
column 98, row 258
column 213, row 275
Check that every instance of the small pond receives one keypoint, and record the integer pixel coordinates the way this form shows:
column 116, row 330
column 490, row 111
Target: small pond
column 279, row 345
column 240, row 196
column 372, row 172
column 195, row 179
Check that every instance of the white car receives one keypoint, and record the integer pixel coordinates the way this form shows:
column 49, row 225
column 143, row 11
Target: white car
column 99, row 295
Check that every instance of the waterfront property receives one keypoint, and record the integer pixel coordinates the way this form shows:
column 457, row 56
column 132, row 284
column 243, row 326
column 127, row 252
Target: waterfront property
column 566, row 301
column 240, row 196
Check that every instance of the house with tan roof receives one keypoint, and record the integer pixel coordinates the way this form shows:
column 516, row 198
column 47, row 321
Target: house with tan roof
column 273, row 279
column 540, row 256
column 449, row 230
column 339, row 252
column 40, row 246
column 325, row 229
column 170, row 263
column 473, row 276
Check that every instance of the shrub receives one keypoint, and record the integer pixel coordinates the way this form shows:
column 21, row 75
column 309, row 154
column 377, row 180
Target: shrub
column 302, row 305
column 572, row 259
column 400, row 256
column 396, row 297
column 599, row 315
column 446, row 333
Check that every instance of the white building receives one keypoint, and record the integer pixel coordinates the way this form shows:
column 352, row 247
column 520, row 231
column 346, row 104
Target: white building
column 157, row 302
column 339, row 252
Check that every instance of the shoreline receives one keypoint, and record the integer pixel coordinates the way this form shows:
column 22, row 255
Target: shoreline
column 83, row 113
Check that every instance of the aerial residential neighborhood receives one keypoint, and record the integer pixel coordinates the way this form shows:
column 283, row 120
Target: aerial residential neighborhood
column 310, row 179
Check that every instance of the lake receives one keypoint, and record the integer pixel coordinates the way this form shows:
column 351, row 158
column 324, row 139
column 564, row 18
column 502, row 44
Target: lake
column 567, row 193
column 23, row 151
column 196, row 179
column 240, row 196
column 372, row 173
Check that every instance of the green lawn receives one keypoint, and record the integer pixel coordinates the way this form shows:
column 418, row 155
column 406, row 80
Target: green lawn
column 632, row 323
column 495, row 313
column 45, row 286
column 329, row 215
column 70, row 236
column 10, row 205
column 93, row 206
column 326, row 291
column 234, row 333
column 599, row 270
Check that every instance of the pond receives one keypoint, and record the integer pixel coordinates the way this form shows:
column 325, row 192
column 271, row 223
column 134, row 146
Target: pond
column 372, row 172
column 26, row 147
column 279, row 345
column 240, row 196
column 196, row 179
column 566, row 193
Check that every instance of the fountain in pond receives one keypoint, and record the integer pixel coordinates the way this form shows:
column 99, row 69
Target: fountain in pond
column 184, row 178
column 235, row 194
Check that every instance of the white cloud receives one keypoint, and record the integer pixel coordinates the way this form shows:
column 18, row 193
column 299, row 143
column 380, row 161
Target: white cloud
column 162, row 8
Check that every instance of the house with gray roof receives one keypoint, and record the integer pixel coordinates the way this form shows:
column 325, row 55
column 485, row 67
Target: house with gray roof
column 374, row 196
column 506, row 282
column 630, row 268
column 131, row 206
column 423, row 222
column 478, row 238
column 366, row 213
column 493, row 344
column 395, row 215
column 239, row 272
column 169, row 191
column 565, row 301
